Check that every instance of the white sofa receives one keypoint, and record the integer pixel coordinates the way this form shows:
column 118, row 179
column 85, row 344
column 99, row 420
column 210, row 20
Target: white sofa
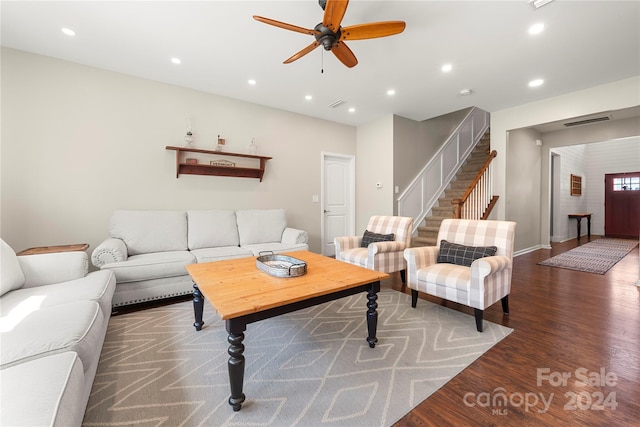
column 54, row 317
column 148, row 250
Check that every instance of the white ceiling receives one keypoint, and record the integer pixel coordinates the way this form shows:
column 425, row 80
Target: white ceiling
column 585, row 43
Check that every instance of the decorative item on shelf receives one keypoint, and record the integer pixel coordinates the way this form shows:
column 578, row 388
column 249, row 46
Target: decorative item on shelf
column 192, row 161
column 221, row 143
column 188, row 138
column 253, row 148
column 224, row 163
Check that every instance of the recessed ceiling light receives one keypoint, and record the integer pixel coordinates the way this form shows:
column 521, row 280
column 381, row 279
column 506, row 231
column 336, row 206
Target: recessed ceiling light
column 391, row 92
column 352, row 110
column 446, row 68
column 465, row 92
column 251, row 82
column 308, row 97
column 536, row 28
column 68, row 31
column 176, row 61
column 536, row 83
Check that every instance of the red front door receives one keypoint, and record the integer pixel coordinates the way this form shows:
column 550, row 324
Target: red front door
column 622, row 204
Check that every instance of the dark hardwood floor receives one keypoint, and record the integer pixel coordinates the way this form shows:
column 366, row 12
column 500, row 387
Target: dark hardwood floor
column 565, row 323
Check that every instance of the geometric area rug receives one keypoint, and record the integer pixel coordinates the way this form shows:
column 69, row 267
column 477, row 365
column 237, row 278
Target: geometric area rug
column 597, row 256
column 312, row 367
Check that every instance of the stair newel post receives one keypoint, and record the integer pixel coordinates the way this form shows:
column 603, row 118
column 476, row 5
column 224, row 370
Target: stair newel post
column 457, row 208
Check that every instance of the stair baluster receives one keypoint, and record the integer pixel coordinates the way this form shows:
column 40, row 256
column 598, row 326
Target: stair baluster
column 477, row 202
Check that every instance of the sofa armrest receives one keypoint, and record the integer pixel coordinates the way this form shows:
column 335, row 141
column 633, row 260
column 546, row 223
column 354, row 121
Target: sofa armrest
column 345, row 243
column 382, row 247
column 47, row 269
column 420, row 257
column 109, row 251
column 293, row 236
column 483, row 267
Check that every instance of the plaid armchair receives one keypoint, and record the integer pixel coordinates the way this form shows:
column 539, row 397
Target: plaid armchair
column 485, row 281
column 384, row 256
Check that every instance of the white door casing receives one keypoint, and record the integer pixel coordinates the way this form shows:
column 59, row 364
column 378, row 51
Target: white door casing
column 338, row 199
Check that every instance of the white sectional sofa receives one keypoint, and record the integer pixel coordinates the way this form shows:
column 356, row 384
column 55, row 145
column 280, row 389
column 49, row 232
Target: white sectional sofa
column 148, row 250
column 54, row 317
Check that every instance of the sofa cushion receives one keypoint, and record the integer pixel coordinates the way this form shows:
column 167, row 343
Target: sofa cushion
column 47, row 269
column 217, row 254
column 151, row 266
column 212, row 229
column 33, row 332
column 451, row 278
column 261, row 226
column 11, row 275
column 43, row 392
column 368, row 238
column 97, row 286
column 454, row 253
column 276, row 248
column 150, row 231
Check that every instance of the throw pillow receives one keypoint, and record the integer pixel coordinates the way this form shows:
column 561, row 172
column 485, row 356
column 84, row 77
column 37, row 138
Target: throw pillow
column 370, row 237
column 11, row 276
column 454, row 253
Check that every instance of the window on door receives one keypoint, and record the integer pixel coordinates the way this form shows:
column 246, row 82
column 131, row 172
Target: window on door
column 626, row 184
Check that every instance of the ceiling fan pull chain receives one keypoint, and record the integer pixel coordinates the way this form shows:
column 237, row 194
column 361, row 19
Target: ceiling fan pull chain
column 322, row 62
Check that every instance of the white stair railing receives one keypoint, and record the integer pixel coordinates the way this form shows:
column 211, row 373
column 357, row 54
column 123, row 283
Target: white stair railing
column 428, row 186
column 474, row 203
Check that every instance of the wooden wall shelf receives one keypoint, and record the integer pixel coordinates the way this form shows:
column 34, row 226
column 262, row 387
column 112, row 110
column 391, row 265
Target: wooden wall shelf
column 203, row 169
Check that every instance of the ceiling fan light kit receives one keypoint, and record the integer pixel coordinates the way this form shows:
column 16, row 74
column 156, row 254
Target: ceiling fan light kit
column 331, row 35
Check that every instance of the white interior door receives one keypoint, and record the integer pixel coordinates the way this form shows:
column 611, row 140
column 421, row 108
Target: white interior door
column 338, row 199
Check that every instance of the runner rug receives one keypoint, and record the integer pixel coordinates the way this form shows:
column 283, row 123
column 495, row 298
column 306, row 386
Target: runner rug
column 593, row 257
column 308, row 368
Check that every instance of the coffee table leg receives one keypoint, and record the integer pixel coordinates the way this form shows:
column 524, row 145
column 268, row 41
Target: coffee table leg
column 372, row 314
column 235, row 328
column 198, row 307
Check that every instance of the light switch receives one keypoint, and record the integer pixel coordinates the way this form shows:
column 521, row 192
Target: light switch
column 315, row 198
column 378, row 185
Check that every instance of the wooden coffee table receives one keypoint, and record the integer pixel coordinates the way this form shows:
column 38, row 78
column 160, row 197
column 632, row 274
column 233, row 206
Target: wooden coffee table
column 243, row 294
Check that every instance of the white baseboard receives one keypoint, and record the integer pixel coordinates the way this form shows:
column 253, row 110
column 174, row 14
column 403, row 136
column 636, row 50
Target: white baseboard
column 531, row 249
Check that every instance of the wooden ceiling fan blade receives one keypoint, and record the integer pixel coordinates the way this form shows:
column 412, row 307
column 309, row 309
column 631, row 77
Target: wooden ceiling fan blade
column 284, row 25
column 302, row 53
column 344, row 54
column 334, row 11
column 372, row 30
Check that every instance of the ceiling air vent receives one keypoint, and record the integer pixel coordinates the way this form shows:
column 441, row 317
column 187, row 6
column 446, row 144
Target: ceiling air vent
column 337, row 103
column 587, row 121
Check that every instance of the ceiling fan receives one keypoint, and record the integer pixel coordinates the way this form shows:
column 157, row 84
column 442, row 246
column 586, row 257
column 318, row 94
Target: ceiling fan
column 331, row 35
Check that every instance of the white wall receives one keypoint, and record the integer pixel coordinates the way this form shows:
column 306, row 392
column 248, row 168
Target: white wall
column 408, row 154
column 79, row 143
column 612, row 96
column 523, row 170
column 570, row 161
column 415, row 143
column 374, row 163
column 591, row 162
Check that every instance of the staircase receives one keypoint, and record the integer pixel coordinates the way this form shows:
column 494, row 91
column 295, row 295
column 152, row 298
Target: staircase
column 428, row 233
